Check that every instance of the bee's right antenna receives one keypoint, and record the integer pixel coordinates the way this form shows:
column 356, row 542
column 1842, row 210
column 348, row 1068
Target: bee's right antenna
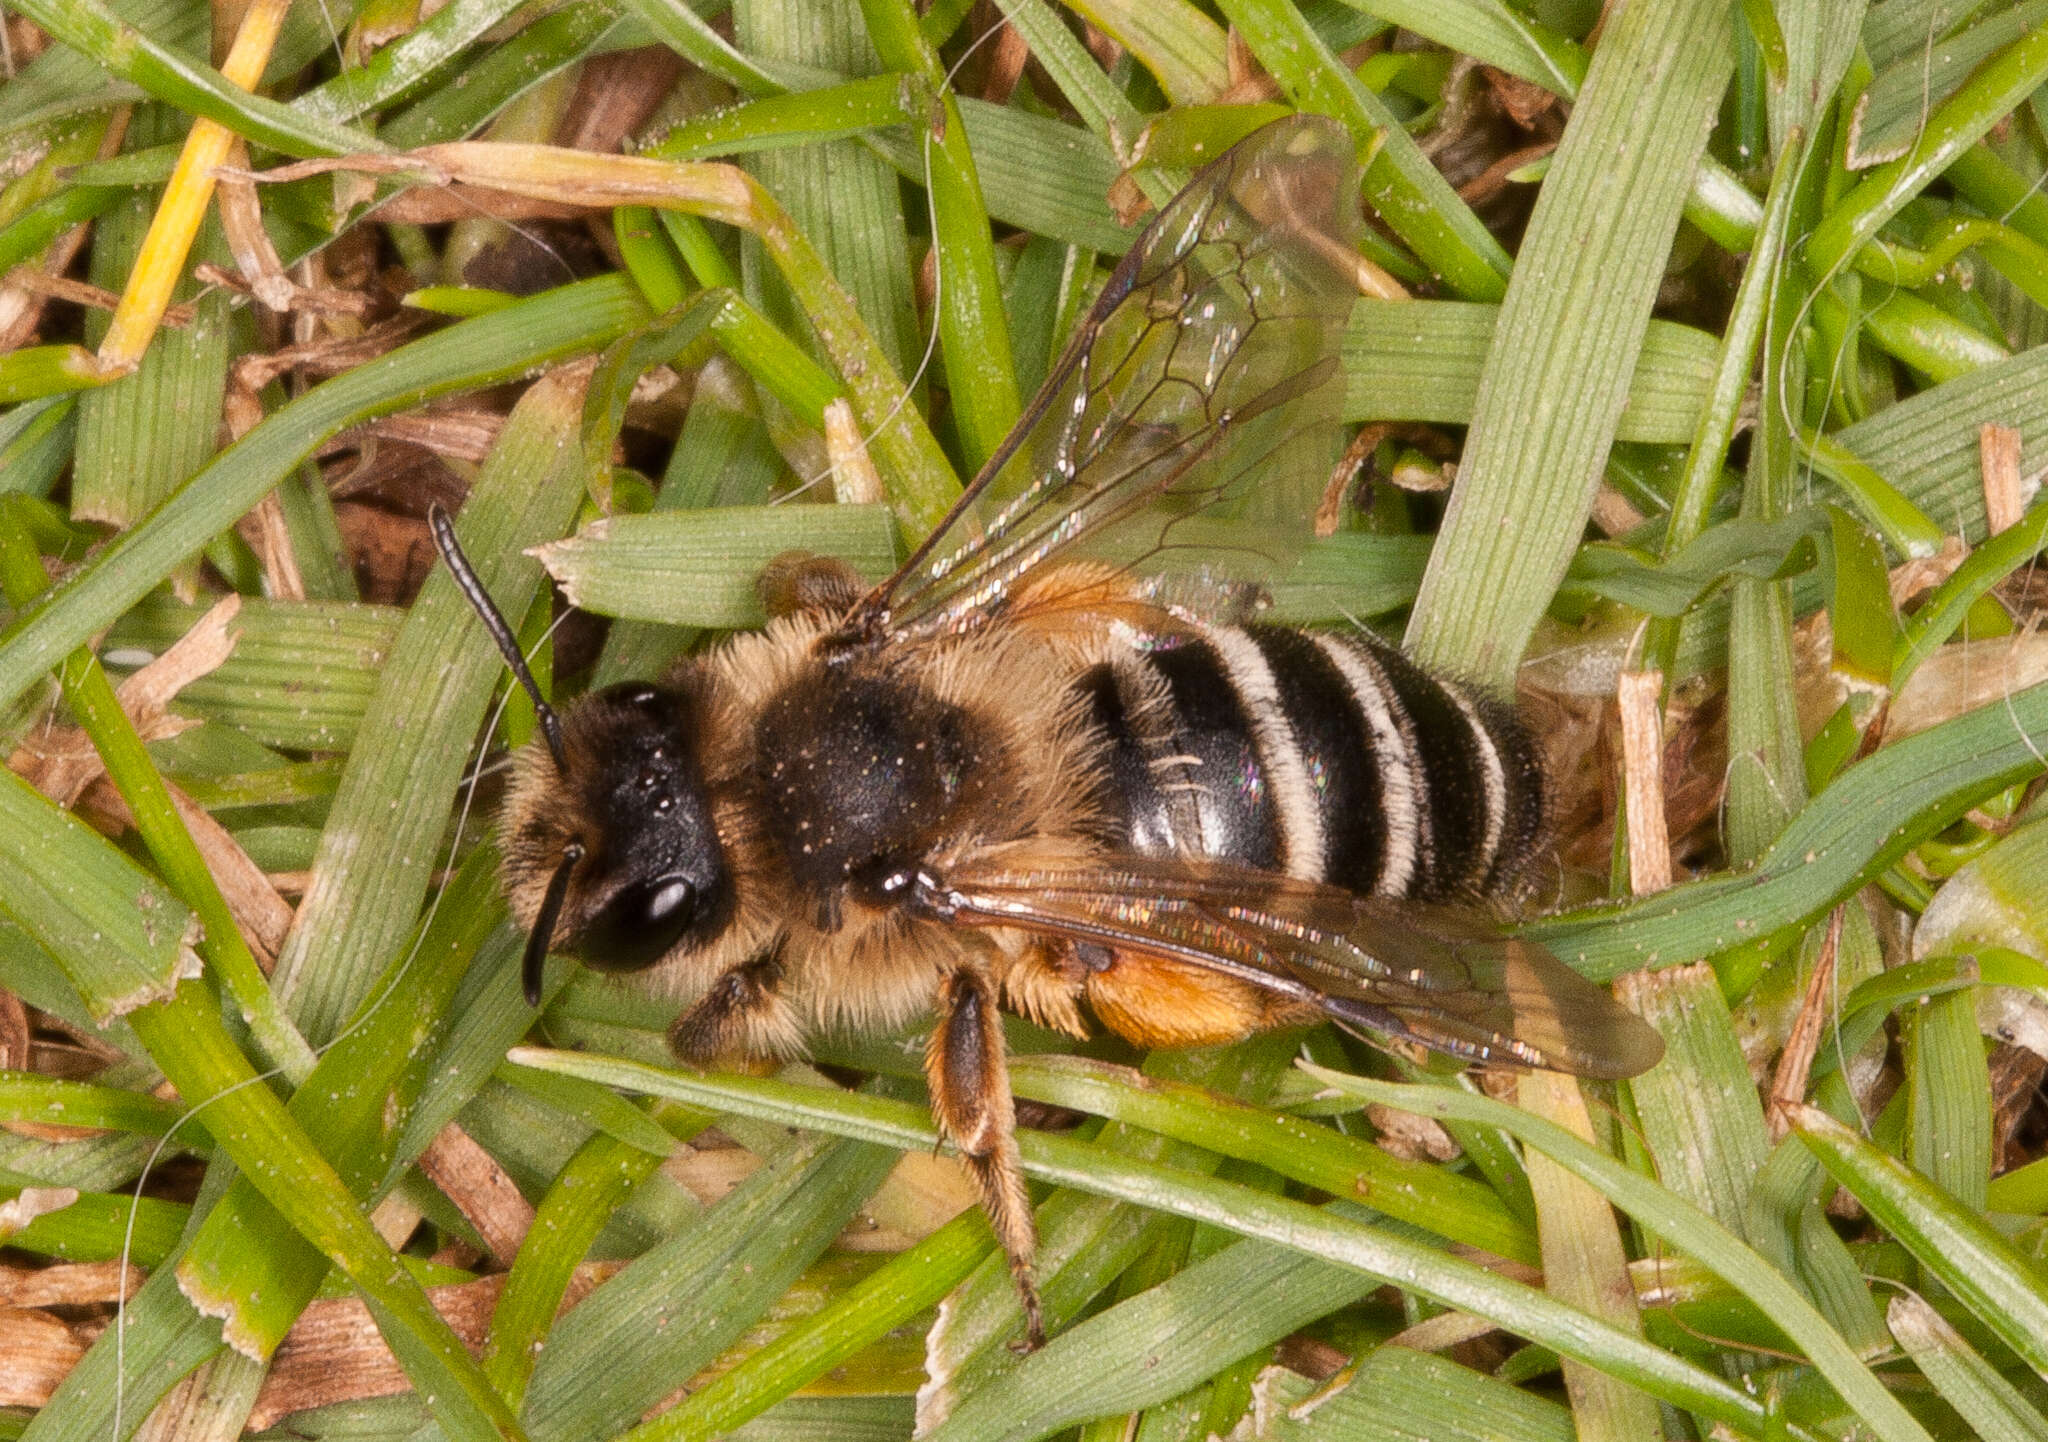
column 487, row 611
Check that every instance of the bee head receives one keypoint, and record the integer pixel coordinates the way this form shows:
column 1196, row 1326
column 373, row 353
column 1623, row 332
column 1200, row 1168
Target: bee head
column 611, row 854
column 610, row 850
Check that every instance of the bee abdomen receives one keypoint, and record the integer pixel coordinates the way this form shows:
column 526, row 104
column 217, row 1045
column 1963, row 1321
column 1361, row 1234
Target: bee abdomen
column 1329, row 757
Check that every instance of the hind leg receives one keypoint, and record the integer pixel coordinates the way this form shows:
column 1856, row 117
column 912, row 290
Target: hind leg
column 1156, row 1003
column 971, row 1102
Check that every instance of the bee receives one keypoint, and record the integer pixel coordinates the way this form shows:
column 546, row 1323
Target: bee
column 1025, row 773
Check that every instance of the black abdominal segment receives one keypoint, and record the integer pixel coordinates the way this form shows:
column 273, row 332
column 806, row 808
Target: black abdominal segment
column 1329, row 757
column 1214, row 760
column 1336, row 749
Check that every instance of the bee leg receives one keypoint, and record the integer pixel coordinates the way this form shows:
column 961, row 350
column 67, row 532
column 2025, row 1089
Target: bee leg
column 742, row 1013
column 971, row 1102
column 797, row 581
column 1157, row 1003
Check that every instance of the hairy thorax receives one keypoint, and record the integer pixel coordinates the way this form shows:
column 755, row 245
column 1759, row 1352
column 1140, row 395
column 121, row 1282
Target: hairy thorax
column 858, row 769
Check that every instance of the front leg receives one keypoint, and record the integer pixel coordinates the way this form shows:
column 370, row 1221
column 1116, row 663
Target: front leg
column 971, row 1102
column 744, row 1014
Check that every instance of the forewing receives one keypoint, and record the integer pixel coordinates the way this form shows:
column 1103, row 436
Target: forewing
column 1440, row 976
column 1204, row 383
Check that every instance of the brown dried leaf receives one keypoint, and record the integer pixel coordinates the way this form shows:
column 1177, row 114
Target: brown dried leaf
column 241, row 218
column 1500, row 174
column 617, row 94
column 327, row 357
column 854, row 478
column 1964, row 675
column 1640, row 696
column 922, row 1193
column 334, row 1352
column 1524, row 101
column 447, row 204
column 78, row 292
column 1914, row 578
column 2016, row 1077
column 69, row 1284
column 62, row 763
column 14, row 1032
column 37, row 1351
column 1007, row 59
column 1410, row 1137
column 393, row 554
column 264, row 529
column 471, row 1178
column 463, row 433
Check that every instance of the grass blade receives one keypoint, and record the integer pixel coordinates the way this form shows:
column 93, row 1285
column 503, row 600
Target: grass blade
column 2004, row 1289
column 1376, row 1252
column 1570, row 334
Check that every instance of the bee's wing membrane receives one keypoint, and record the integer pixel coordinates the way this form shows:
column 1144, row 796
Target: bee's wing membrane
column 1441, row 976
column 1209, row 358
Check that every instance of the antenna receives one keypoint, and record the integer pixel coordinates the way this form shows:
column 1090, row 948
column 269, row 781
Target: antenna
column 480, row 601
column 543, row 932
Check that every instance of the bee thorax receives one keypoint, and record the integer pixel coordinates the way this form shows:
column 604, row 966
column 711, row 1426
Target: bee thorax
column 861, row 774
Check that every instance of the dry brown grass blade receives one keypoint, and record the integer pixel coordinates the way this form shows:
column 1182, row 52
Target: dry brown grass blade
column 471, row 1178
column 62, row 763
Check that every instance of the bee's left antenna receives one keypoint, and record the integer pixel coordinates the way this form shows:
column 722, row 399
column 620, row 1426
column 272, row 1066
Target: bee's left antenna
column 487, row 611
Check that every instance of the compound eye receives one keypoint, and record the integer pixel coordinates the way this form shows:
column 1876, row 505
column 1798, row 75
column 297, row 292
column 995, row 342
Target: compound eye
column 639, row 925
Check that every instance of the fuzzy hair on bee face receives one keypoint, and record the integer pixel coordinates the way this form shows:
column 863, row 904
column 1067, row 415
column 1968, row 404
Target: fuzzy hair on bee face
column 619, row 836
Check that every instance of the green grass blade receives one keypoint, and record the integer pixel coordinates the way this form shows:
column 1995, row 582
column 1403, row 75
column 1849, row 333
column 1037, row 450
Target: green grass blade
column 104, row 1227
column 537, row 53
column 1990, row 1404
column 364, row 898
column 835, row 112
column 1103, row 108
column 2002, row 1287
column 1087, row 1244
column 974, row 333
column 1877, row 811
column 1377, row 1252
column 677, row 1307
column 1152, row 1347
column 591, row 1185
column 1409, row 193
column 301, row 675
column 89, row 26
column 699, row 568
column 98, row 710
column 1957, row 124
column 185, row 1037
column 1414, row 1192
column 1493, row 32
column 123, row 939
column 1422, row 360
column 479, row 352
column 109, row 1393
column 1399, row 1393
column 1570, row 334
column 1183, row 48
column 1948, row 1096
column 909, row 1283
column 244, row 1265
column 406, row 63
column 1680, row 1223
column 53, row 1101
